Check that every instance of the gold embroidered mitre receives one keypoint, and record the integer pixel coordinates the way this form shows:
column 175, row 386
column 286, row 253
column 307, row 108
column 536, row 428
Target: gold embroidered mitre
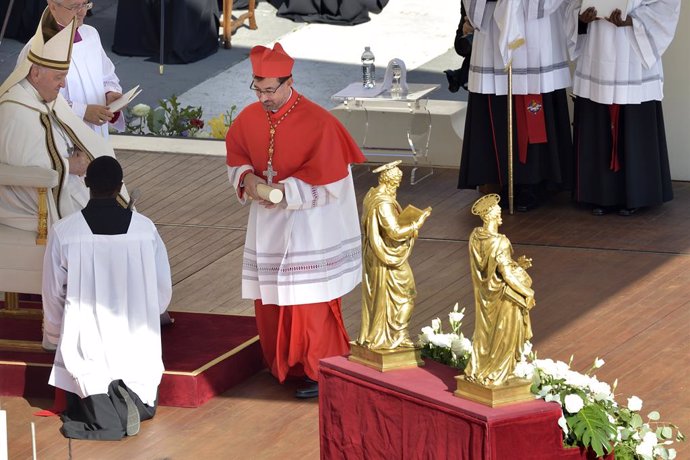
column 55, row 53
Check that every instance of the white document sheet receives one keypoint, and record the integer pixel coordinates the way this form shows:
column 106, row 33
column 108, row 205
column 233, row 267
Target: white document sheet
column 126, row 98
column 606, row 7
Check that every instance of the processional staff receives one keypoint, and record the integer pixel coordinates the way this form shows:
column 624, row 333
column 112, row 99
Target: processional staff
column 511, row 37
column 510, row 138
column 162, row 37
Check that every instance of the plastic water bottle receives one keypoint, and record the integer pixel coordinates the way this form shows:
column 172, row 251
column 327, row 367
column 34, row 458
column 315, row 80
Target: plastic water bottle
column 368, row 68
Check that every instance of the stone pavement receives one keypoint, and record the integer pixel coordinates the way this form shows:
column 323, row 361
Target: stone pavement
column 327, row 56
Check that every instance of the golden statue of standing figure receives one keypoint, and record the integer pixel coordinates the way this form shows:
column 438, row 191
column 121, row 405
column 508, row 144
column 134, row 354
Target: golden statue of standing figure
column 503, row 298
column 388, row 287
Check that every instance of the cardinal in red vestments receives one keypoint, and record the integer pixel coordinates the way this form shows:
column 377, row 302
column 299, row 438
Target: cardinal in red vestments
column 303, row 253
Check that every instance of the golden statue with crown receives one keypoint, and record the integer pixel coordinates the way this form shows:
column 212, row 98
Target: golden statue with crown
column 503, row 299
column 388, row 287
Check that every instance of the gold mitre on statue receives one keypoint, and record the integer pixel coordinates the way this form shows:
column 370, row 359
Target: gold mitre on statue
column 55, row 53
column 387, row 166
column 484, row 204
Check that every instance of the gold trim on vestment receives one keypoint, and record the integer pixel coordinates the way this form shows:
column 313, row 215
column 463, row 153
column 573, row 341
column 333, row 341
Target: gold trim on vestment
column 73, row 137
column 48, row 63
column 55, row 159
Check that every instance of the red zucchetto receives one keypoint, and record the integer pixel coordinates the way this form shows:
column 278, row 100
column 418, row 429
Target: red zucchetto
column 270, row 63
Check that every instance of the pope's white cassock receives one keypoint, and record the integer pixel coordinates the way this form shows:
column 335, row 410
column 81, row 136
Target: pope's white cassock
column 102, row 300
column 91, row 75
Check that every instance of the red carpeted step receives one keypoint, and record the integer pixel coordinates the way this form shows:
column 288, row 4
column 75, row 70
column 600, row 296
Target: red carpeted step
column 204, row 356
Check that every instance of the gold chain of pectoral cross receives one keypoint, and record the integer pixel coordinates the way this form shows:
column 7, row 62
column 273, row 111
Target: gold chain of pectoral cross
column 270, row 173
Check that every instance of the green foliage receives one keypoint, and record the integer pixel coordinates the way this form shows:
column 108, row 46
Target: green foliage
column 170, row 118
column 592, row 428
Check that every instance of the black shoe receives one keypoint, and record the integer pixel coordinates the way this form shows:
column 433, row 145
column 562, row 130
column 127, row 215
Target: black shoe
column 308, row 391
column 627, row 211
column 598, row 211
column 526, row 199
column 453, row 82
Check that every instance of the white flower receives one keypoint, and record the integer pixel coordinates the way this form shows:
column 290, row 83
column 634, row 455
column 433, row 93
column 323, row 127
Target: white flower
column 526, row 348
column 141, row 110
column 461, row 346
column 436, row 324
column 557, row 369
column 646, row 447
column 598, row 363
column 573, row 403
column 671, row 454
column 524, row 370
column 601, row 391
column 456, row 316
column 553, row 397
column 634, row 404
column 563, row 424
column 442, row 340
column 425, row 336
column 576, row 379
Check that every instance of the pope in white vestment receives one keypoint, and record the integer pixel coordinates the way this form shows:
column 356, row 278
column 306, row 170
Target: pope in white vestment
column 91, row 74
column 45, row 133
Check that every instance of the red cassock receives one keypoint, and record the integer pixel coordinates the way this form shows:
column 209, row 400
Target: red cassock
column 314, row 147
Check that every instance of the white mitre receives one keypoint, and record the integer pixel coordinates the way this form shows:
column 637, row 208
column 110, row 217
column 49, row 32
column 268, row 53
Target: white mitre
column 54, row 54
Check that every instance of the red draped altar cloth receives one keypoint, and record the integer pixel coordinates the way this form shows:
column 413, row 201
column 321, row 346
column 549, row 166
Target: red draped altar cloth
column 413, row 414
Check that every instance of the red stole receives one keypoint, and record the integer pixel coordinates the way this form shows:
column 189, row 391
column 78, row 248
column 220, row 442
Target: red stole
column 310, row 143
column 614, row 111
column 531, row 127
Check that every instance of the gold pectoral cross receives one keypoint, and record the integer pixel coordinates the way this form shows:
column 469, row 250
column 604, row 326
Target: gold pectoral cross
column 270, row 173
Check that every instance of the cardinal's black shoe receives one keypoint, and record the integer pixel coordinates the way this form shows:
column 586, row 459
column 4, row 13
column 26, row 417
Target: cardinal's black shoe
column 308, row 391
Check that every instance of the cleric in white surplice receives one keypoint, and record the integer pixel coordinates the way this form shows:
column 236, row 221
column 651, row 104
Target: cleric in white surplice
column 106, row 280
column 619, row 134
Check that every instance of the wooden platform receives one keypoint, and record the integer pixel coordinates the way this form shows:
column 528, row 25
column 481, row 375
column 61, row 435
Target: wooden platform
column 611, row 287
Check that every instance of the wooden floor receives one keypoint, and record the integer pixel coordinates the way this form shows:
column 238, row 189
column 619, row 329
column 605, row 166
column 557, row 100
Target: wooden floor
column 611, row 287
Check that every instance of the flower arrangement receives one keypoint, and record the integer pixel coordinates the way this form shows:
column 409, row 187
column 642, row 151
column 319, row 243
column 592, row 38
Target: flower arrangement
column 591, row 416
column 170, row 118
column 220, row 124
column 452, row 348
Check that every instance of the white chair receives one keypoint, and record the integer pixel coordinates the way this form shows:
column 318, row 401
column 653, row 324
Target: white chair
column 21, row 263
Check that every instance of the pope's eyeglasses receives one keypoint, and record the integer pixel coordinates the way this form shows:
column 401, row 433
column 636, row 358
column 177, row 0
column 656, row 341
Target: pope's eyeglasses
column 75, row 8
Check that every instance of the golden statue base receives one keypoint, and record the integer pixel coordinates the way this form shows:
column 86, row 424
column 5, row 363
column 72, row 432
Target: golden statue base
column 386, row 360
column 509, row 393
